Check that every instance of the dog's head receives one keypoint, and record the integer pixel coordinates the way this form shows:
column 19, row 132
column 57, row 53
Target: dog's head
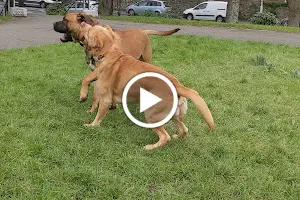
column 70, row 25
column 97, row 39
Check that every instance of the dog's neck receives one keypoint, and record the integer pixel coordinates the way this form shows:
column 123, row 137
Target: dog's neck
column 109, row 57
column 113, row 53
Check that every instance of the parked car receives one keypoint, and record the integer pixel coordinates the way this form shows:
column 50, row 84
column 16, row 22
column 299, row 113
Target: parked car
column 41, row 3
column 209, row 10
column 156, row 6
column 77, row 6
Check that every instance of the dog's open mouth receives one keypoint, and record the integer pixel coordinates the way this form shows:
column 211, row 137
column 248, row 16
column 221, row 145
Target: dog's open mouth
column 62, row 38
column 66, row 37
column 61, row 27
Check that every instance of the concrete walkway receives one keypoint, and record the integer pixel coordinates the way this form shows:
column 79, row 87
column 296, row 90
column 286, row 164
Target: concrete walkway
column 35, row 31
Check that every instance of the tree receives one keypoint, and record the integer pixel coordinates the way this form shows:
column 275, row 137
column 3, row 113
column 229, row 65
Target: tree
column 233, row 9
column 105, row 7
column 294, row 13
column 119, row 4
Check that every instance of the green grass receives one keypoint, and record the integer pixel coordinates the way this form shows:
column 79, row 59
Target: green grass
column 5, row 18
column 161, row 20
column 254, row 153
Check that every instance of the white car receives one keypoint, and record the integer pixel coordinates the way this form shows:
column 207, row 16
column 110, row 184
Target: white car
column 208, row 10
column 77, row 6
column 41, row 3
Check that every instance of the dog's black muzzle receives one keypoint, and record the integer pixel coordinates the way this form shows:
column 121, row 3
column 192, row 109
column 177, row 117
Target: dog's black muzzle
column 60, row 27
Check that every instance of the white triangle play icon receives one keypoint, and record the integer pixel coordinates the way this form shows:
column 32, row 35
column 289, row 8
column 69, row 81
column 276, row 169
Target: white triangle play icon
column 147, row 100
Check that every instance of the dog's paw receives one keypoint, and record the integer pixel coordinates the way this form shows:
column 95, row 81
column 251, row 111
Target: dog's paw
column 113, row 106
column 87, row 125
column 91, row 110
column 92, row 124
column 148, row 147
column 83, row 99
column 151, row 147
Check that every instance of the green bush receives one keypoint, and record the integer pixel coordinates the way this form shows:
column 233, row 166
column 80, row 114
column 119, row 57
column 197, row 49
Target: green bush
column 265, row 18
column 56, row 9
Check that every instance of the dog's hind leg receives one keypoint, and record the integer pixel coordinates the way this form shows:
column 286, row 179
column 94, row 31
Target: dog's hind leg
column 163, row 138
column 182, row 129
column 147, row 54
column 178, row 118
column 104, row 104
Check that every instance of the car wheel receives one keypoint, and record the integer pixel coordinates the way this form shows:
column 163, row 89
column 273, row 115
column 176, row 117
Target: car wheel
column 190, row 17
column 43, row 4
column 220, row 19
column 131, row 12
column 157, row 13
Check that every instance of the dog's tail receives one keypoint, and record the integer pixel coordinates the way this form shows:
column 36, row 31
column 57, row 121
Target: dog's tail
column 199, row 103
column 162, row 33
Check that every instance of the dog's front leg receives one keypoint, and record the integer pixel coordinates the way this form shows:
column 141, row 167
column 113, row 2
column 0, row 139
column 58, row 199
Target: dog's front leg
column 95, row 97
column 85, row 85
column 104, row 104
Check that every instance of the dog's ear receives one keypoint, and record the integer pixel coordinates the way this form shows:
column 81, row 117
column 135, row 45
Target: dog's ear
column 82, row 17
column 110, row 31
column 97, row 42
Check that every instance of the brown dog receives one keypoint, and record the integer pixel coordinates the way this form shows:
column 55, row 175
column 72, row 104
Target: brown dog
column 134, row 42
column 115, row 69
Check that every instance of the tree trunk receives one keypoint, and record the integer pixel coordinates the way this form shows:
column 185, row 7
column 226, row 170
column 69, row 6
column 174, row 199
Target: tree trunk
column 294, row 13
column 105, row 8
column 119, row 3
column 233, row 9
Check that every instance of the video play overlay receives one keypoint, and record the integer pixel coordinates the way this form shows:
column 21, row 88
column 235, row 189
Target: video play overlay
column 156, row 96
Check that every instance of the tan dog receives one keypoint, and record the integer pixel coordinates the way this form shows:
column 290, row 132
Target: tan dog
column 134, row 42
column 115, row 69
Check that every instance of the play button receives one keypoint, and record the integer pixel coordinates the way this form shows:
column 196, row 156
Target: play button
column 156, row 96
column 147, row 100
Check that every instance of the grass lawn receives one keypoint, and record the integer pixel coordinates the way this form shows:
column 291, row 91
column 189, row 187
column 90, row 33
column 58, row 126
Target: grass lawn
column 161, row 20
column 5, row 18
column 254, row 153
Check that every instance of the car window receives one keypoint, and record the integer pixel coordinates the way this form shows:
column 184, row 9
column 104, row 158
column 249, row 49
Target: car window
column 167, row 5
column 153, row 3
column 80, row 5
column 201, row 6
column 158, row 4
column 142, row 3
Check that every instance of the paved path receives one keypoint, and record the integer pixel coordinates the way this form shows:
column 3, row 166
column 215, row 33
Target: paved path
column 35, row 31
